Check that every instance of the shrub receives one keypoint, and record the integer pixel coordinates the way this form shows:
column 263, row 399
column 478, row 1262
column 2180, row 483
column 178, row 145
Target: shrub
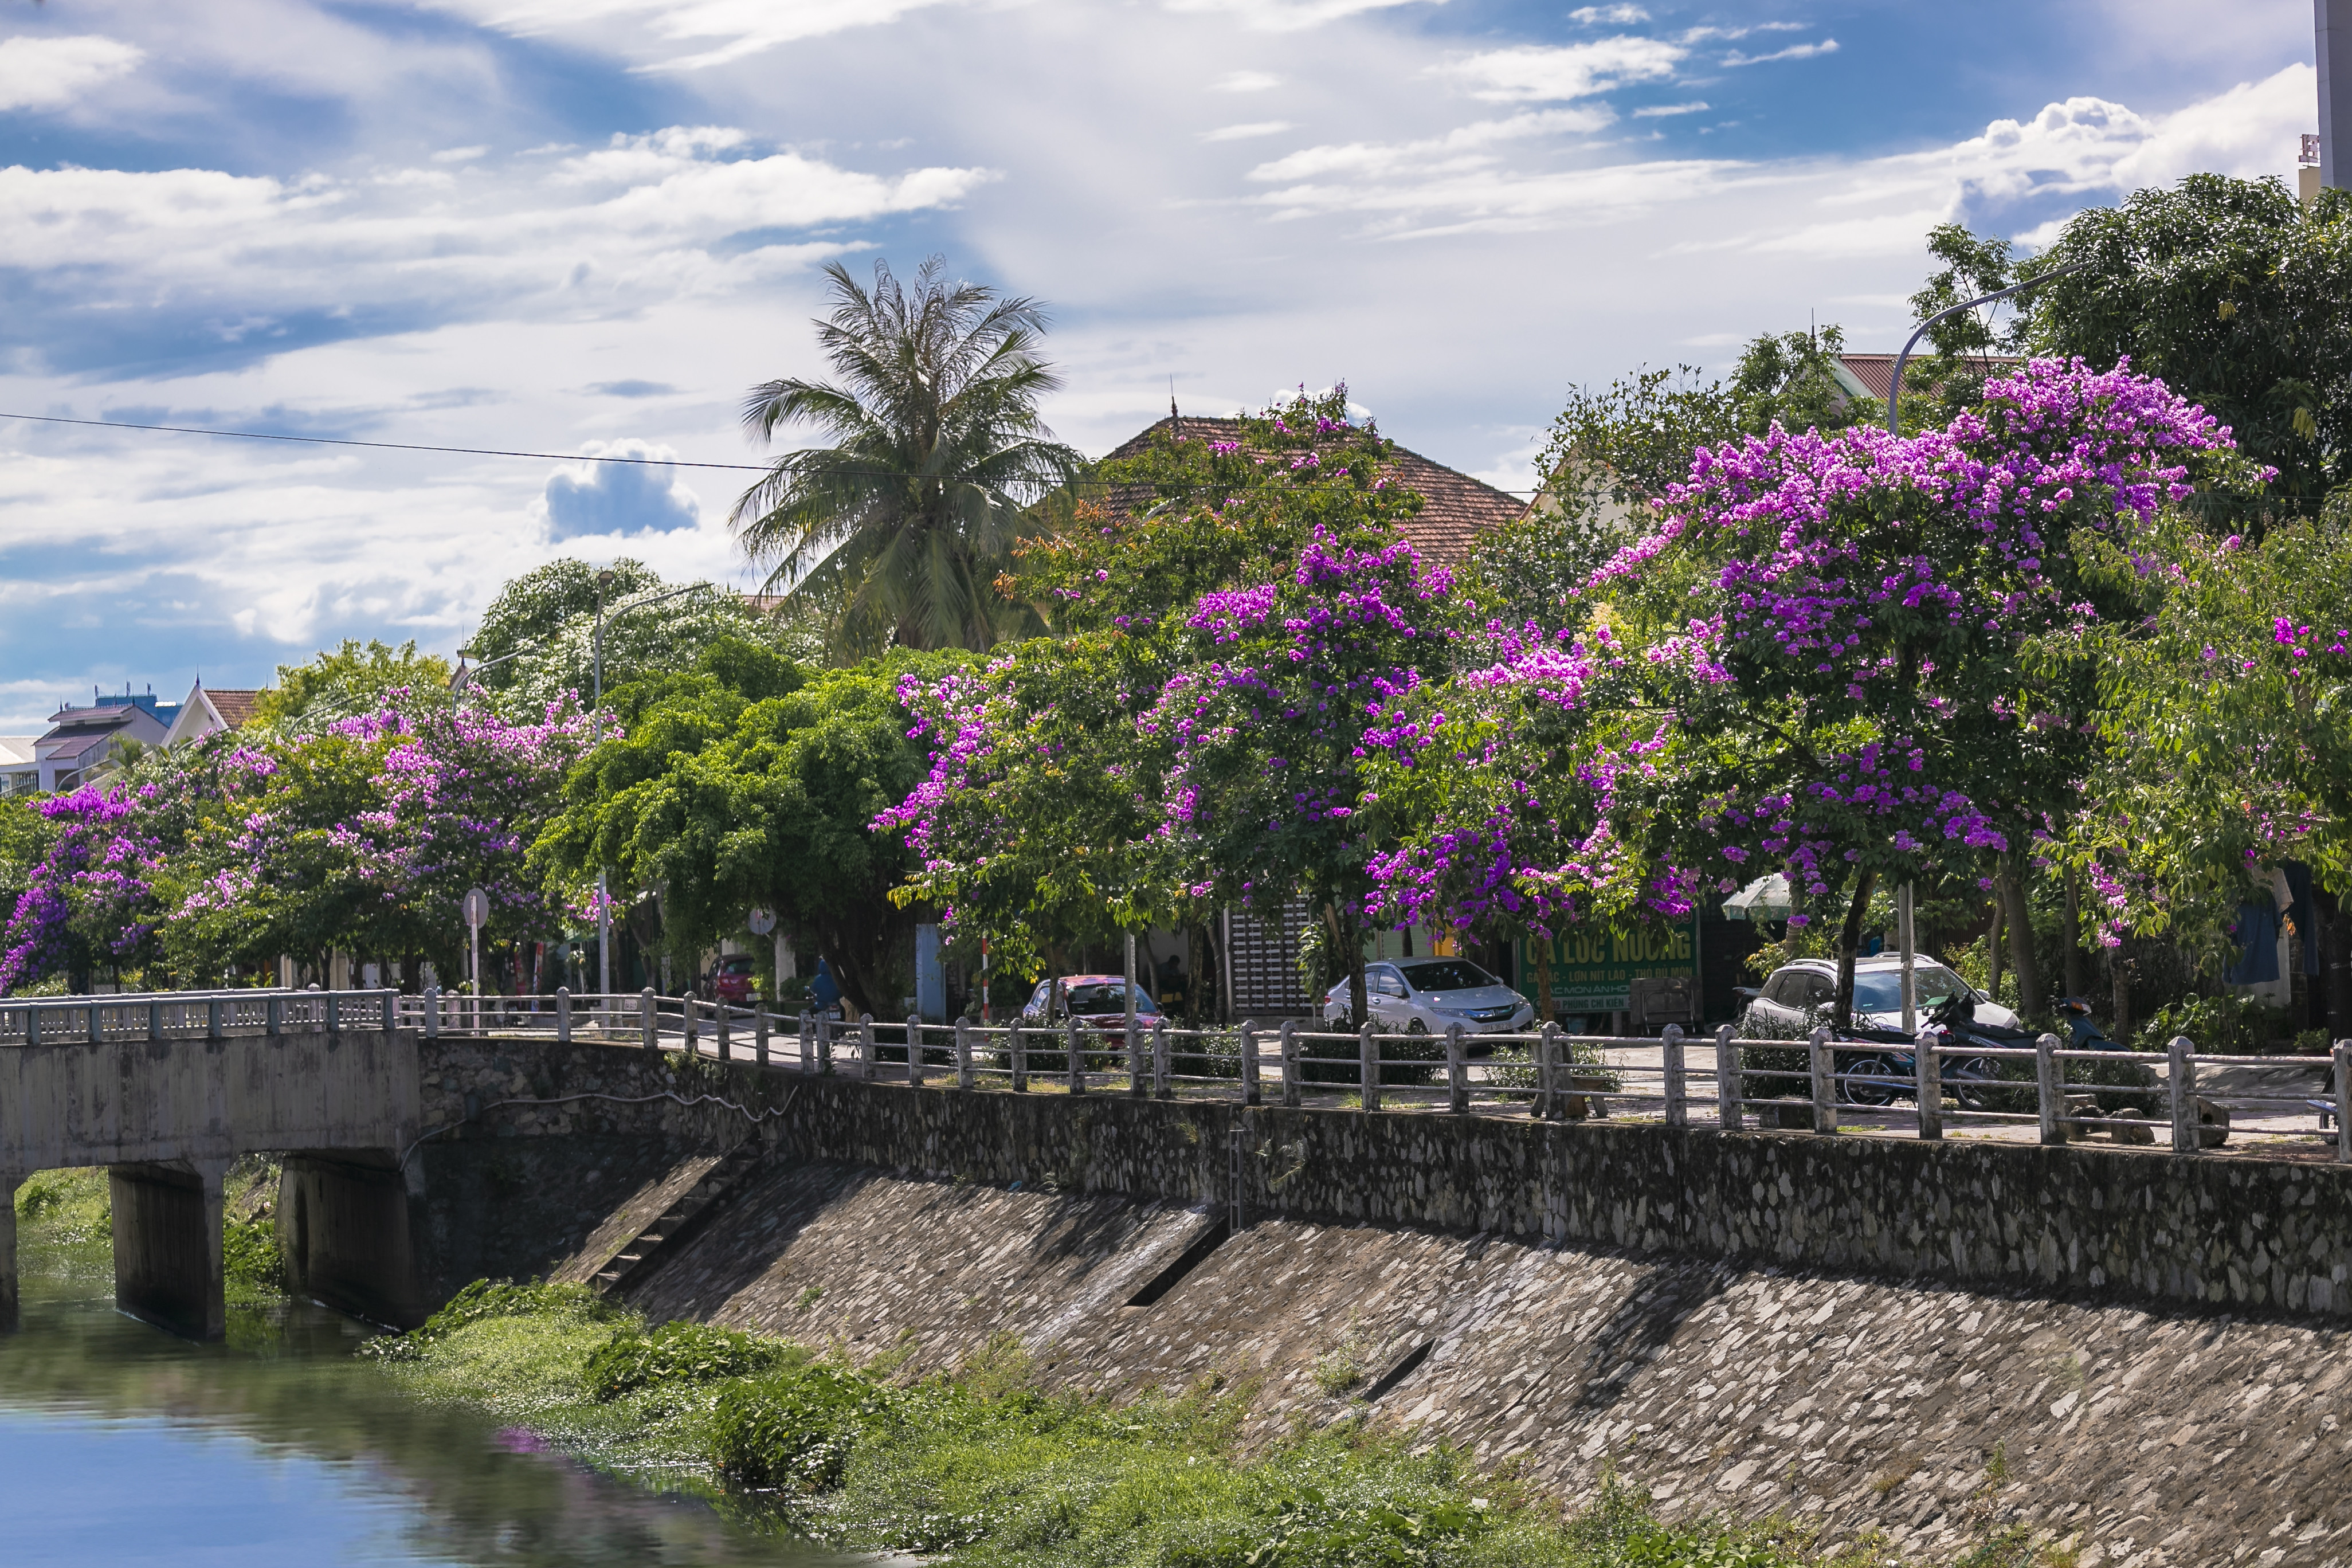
column 487, row 1299
column 2227, row 1025
column 251, row 1257
column 680, row 1352
column 794, row 1429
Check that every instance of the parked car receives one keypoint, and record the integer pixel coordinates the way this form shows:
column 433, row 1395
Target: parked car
column 1098, row 1000
column 731, row 980
column 1799, row 994
column 1430, row 996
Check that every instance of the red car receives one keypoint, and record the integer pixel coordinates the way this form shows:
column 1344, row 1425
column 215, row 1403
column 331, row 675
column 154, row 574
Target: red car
column 1098, row 1000
column 731, row 980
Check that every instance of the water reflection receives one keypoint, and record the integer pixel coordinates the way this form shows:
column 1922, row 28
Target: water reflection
column 121, row 1445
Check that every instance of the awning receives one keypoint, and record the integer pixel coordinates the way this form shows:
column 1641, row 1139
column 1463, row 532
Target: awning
column 1765, row 899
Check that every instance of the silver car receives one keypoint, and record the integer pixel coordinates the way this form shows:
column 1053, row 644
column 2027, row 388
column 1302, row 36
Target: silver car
column 1430, row 996
column 1799, row 996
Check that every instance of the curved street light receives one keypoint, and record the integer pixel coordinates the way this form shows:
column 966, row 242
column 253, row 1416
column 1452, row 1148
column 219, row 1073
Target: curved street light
column 1894, row 387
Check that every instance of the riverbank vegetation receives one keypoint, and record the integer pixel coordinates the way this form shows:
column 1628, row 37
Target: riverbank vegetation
column 65, row 1225
column 987, row 1467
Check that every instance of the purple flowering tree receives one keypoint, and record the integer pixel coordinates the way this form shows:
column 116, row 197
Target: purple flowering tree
column 1874, row 647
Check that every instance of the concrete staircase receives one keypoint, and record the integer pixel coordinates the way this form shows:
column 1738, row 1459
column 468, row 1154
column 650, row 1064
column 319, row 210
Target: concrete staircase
column 667, row 1235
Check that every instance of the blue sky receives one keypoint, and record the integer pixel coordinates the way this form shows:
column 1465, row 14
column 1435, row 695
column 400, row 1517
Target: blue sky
column 589, row 226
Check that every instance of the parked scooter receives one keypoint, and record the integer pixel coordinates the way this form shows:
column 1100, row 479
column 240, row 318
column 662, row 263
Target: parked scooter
column 1889, row 1072
column 2086, row 1034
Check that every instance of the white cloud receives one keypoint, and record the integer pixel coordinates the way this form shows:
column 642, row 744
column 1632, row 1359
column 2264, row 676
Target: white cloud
column 1289, row 16
column 1658, row 111
column 1246, row 81
column 1592, row 16
column 740, row 28
column 459, row 154
column 1463, row 149
column 1535, row 72
column 1246, row 133
column 1793, row 52
column 48, row 73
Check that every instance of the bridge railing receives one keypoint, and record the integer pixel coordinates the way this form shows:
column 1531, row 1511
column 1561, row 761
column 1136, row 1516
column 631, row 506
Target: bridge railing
column 190, row 1015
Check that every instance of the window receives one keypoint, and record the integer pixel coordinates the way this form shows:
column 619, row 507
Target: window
column 1447, row 974
column 1384, row 982
column 1100, row 998
column 1881, row 989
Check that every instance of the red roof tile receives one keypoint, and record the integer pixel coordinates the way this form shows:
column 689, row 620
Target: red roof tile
column 1455, row 509
column 236, row 708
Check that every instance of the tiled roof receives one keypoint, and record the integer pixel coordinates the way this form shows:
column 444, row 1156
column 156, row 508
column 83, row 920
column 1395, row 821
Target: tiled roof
column 236, row 708
column 1455, row 509
column 1876, row 372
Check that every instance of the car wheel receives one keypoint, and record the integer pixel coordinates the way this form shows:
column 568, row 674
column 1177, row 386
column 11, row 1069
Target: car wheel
column 1416, row 1028
column 1869, row 1080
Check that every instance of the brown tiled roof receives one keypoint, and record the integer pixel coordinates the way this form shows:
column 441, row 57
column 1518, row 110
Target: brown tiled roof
column 236, row 708
column 1876, row 372
column 1455, row 509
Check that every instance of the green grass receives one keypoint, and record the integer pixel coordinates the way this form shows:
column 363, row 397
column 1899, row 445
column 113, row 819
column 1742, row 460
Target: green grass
column 987, row 1469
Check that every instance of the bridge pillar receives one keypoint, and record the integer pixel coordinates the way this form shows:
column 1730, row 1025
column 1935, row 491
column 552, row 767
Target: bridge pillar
column 167, row 1245
column 344, row 1222
column 9, row 1306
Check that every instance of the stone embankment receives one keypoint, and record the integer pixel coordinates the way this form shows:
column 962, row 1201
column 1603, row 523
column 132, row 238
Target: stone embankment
column 2137, row 1355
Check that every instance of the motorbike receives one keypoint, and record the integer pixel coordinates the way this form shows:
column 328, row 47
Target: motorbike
column 1888, row 1069
column 2085, row 1033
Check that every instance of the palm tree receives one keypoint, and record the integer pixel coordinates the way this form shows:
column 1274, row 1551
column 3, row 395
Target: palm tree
column 895, row 533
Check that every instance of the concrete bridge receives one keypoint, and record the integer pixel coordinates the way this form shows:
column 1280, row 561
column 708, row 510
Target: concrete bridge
column 167, row 1090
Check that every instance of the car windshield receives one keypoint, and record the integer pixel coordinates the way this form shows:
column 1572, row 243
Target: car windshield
column 1099, row 998
column 1881, row 990
column 735, row 966
column 1447, row 974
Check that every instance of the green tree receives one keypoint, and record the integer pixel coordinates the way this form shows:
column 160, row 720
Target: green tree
column 2234, row 294
column 349, row 681
column 1790, row 379
column 749, row 780
column 901, row 525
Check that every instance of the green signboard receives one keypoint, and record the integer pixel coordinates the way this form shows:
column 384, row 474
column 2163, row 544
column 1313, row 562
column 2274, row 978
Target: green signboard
column 1594, row 966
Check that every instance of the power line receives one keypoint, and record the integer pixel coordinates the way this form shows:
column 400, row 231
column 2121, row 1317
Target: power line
column 548, row 457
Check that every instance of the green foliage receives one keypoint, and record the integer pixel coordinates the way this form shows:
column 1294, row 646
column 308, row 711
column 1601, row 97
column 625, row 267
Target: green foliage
column 349, row 681
column 1790, row 379
column 794, row 1429
column 746, row 780
column 2234, row 294
column 486, row 1300
column 251, row 1259
column 678, row 1353
column 897, row 530
column 2226, row 1025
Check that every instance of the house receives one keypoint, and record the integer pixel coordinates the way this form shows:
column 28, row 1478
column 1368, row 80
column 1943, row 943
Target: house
column 1870, row 377
column 1456, row 509
column 20, row 772
column 80, row 739
column 208, row 713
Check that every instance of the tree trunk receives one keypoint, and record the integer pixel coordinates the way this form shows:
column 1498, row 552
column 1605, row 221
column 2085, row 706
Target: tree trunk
column 1850, row 944
column 2073, row 933
column 2119, row 968
column 1359, row 1001
column 1992, row 946
column 1541, row 948
column 2029, row 1001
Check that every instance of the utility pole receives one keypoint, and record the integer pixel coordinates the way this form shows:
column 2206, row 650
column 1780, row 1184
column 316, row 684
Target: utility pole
column 603, row 897
column 2333, row 57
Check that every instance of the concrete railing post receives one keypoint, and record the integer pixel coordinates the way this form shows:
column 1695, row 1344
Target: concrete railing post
column 1016, row 1048
column 650, row 1019
column 273, row 1022
column 1548, row 1097
column 154, row 1021
column 564, row 1015
column 1367, row 1049
column 215, row 1027
column 1670, row 1049
column 963, row 1054
column 719, row 1029
column 1824, row 1064
column 1928, row 1084
column 33, row 1024
column 914, row 1050
column 868, row 1056
column 1251, row 1094
column 2344, row 1102
column 1163, row 1062
column 825, row 1045
column 759, row 1033
column 1457, row 1071
column 392, row 1012
column 2048, row 1097
column 433, row 1012
column 1071, row 1028
column 1137, row 1084
column 693, row 1012
column 1287, row 1043
column 2182, row 1087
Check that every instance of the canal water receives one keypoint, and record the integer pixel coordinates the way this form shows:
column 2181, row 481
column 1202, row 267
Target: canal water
column 125, row 1446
